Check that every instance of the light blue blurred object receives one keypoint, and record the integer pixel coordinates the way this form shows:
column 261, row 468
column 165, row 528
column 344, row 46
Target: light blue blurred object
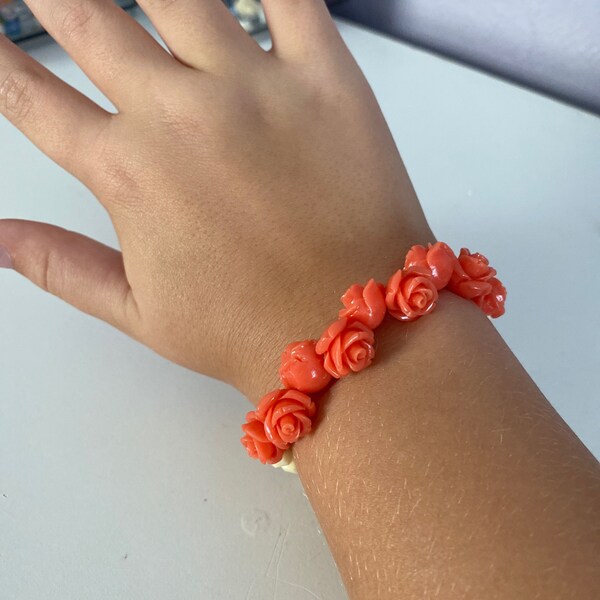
column 249, row 13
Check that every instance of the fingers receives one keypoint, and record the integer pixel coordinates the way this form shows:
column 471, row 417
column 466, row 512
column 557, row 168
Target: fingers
column 115, row 52
column 201, row 33
column 81, row 271
column 63, row 123
column 302, row 30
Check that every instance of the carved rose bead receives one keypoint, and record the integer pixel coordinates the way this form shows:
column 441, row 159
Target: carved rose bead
column 302, row 368
column 471, row 276
column 346, row 346
column 410, row 294
column 437, row 258
column 287, row 416
column 365, row 304
column 492, row 304
column 257, row 443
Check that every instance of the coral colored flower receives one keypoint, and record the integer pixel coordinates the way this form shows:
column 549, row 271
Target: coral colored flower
column 410, row 294
column 346, row 346
column 257, row 443
column 287, row 416
column 437, row 258
column 471, row 276
column 302, row 368
column 365, row 304
column 492, row 304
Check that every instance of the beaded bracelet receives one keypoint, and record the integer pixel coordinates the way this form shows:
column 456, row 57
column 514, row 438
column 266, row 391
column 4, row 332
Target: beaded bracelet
column 285, row 415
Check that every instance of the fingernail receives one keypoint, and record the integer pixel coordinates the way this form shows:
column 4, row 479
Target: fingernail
column 5, row 259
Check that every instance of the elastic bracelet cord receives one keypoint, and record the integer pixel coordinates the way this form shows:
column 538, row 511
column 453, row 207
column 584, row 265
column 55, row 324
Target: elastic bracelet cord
column 285, row 415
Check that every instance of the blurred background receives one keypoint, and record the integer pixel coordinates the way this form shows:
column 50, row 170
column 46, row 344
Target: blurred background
column 550, row 46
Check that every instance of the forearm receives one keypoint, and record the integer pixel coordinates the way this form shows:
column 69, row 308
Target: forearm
column 443, row 471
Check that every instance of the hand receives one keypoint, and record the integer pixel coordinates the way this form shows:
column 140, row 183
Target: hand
column 247, row 188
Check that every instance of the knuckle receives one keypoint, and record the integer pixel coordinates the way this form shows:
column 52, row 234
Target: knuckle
column 17, row 93
column 47, row 274
column 120, row 186
column 111, row 174
column 75, row 20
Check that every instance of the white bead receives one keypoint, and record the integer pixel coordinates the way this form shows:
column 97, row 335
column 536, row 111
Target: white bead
column 287, row 462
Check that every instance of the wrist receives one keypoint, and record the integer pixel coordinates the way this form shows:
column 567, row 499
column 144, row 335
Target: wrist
column 260, row 372
column 304, row 307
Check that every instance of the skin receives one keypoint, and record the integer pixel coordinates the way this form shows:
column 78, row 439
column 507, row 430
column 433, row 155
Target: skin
column 242, row 185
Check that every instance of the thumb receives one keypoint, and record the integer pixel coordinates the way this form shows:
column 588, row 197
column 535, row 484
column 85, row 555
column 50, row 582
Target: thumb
column 81, row 271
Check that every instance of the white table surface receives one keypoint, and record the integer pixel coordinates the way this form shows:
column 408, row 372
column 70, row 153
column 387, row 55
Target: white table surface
column 121, row 475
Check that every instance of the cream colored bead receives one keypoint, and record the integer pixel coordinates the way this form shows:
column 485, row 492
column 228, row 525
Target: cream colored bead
column 287, row 462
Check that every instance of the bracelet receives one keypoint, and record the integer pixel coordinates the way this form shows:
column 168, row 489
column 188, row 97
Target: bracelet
column 285, row 415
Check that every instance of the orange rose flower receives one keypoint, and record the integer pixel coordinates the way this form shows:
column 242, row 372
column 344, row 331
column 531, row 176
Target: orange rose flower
column 492, row 304
column 438, row 259
column 365, row 304
column 257, row 443
column 346, row 346
column 471, row 276
column 287, row 416
column 302, row 368
column 410, row 294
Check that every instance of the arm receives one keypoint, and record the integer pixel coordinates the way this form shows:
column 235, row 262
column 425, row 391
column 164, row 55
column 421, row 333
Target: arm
column 245, row 184
column 442, row 471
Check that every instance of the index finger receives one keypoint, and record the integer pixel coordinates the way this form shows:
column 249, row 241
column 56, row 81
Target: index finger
column 58, row 119
column 116, row 53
